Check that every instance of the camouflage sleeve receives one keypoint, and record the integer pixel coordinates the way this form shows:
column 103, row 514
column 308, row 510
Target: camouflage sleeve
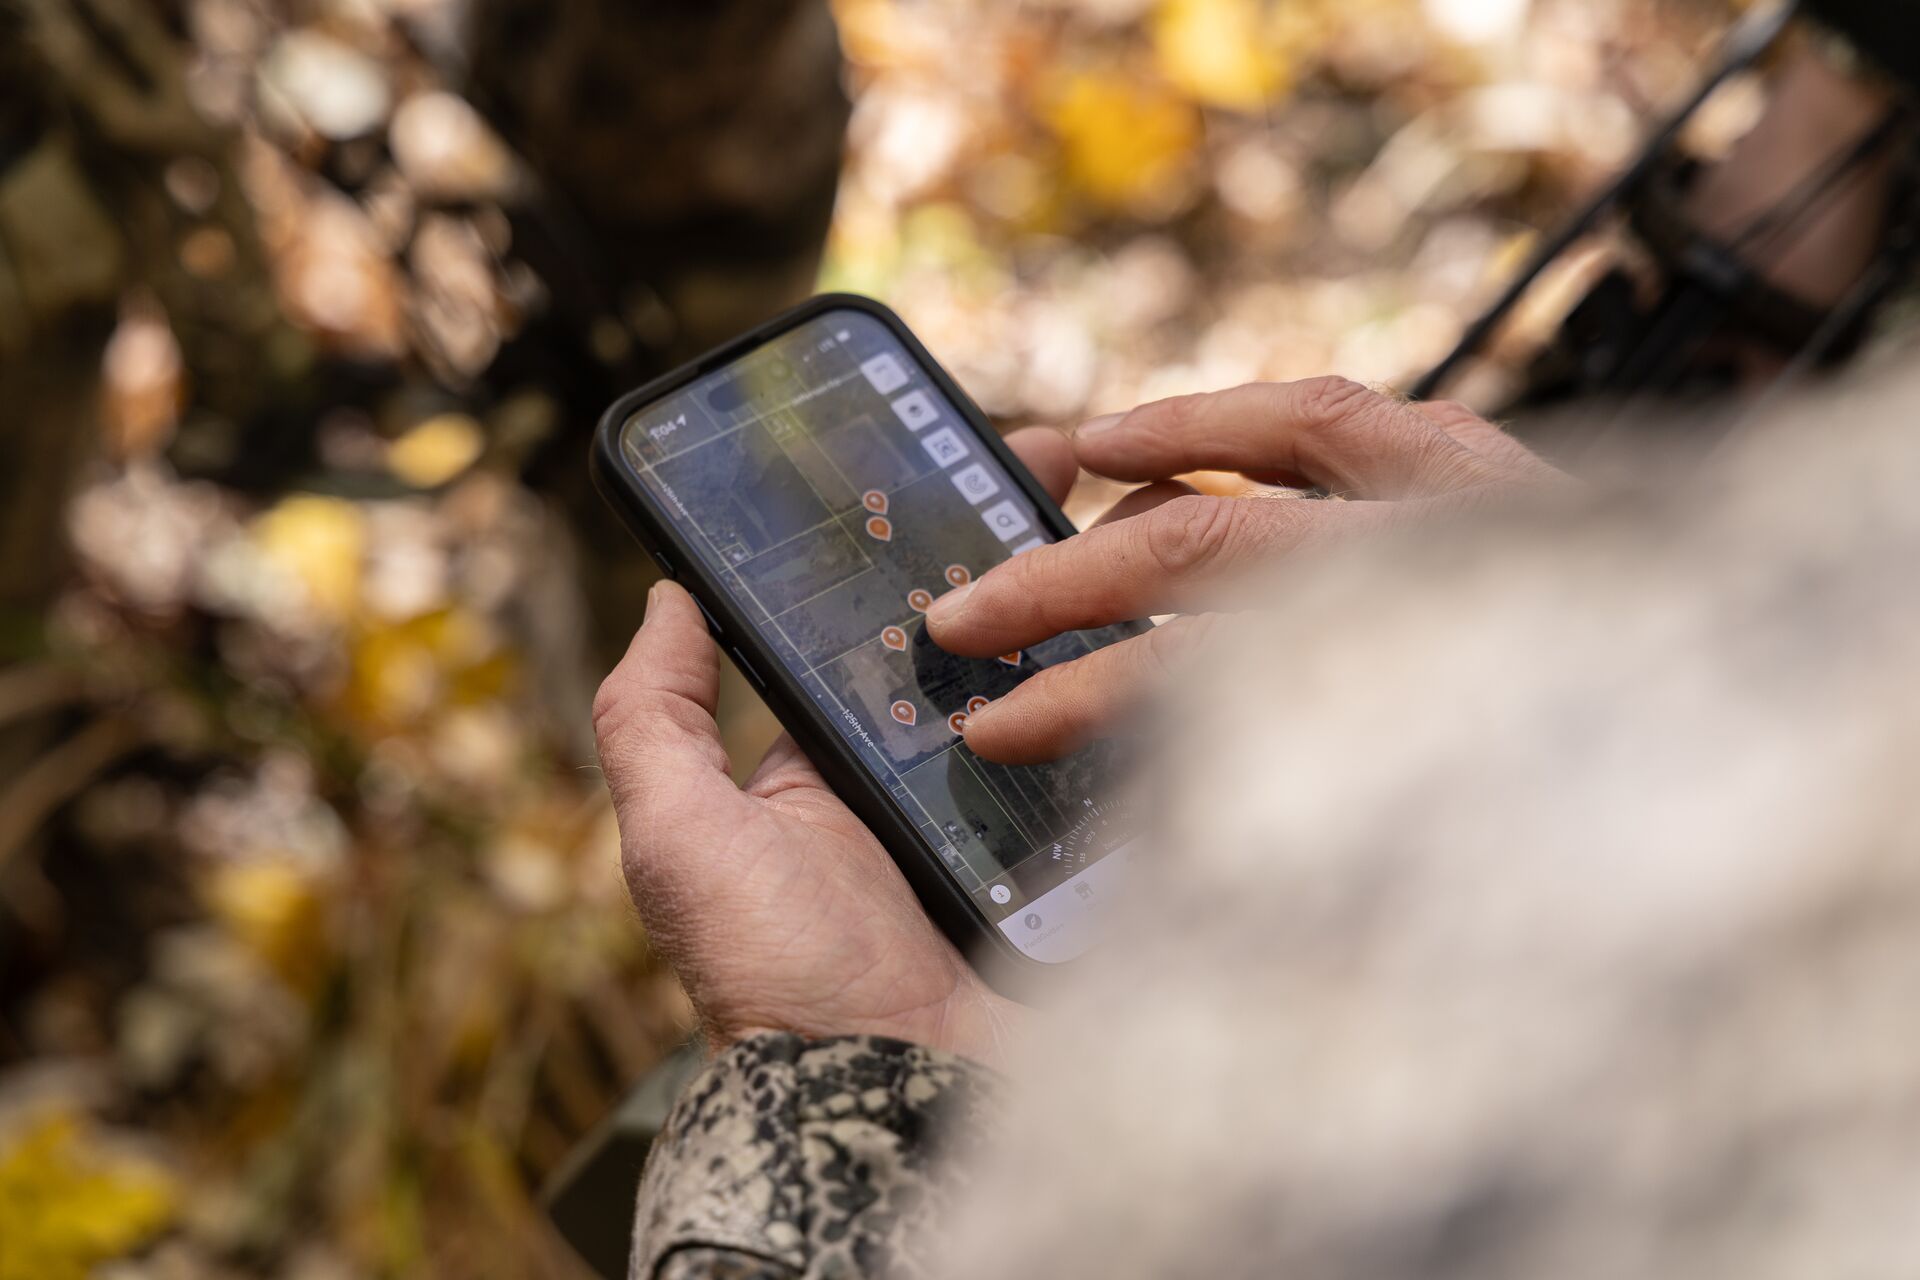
column 789, row 1158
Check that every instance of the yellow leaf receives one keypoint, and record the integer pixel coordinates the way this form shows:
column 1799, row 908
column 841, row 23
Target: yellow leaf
column 1219, row 52
column 436, row 451
column 66, row 1206
column 870, row 32
column 407, row 674
column 275, row 910
column 1127, row 142
column 319, row 542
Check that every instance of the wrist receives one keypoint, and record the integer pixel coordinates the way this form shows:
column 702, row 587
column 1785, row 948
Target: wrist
column 981, row 1024
column 973, row 1021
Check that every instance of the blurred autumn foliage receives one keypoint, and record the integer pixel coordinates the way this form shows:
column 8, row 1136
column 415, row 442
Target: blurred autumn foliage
column 314, row 955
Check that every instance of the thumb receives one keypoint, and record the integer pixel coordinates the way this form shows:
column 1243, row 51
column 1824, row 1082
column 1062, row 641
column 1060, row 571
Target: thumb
column 659, row 744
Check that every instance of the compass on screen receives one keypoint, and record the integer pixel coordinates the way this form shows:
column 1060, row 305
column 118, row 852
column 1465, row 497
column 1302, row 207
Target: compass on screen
column 1099, row 827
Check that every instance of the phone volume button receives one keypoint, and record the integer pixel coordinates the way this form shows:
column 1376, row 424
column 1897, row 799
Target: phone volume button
column 746, row 669
column 666, row 565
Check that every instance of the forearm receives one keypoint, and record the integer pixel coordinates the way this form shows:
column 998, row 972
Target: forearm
column 787, row 1158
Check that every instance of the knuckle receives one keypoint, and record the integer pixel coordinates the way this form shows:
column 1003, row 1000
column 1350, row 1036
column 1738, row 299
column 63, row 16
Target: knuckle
column 626, row 719
column 610, row 709
column 1187, row 534
column 1163, row 646
column 1170, row 644
column 1198, row 630
column 1455, row 414
column 1333, row 399
column 1445, row 470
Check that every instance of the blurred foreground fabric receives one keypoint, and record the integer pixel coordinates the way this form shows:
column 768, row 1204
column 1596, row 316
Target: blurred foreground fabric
column 1532, row 899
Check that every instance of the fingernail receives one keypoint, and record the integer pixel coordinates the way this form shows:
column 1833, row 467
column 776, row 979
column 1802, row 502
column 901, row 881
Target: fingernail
column 947, row 608
column 1105, row 422
column 653, row 593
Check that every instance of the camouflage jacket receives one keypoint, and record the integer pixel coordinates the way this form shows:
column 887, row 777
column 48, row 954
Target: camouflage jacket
column 790, row 1158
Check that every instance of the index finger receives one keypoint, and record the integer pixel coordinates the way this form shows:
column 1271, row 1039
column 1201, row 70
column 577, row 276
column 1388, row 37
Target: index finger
column 1336, row 433
column 1168, row 560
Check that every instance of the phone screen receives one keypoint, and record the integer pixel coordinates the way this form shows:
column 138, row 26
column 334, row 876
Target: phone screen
column 835, row 492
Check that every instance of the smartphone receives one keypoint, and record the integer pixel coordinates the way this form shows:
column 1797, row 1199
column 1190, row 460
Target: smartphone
column 816, row 485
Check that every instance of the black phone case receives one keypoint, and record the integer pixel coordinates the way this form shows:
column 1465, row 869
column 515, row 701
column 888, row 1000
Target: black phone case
column 945, row 902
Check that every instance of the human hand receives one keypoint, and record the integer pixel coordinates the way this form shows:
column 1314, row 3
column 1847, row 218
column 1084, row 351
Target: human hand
column 778, row 909
column 1170, row 549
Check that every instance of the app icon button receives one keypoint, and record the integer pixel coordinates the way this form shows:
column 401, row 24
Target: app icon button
column 915, row 410
column 1031, row 920
column 1000, row 894
column 975, row 483
column 944, row 446
column 1006, row 521
column 884, row 373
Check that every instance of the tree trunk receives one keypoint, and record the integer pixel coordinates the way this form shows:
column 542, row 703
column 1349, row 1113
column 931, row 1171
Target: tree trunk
column 94, row 112
column 689, row 153
column 694, row 147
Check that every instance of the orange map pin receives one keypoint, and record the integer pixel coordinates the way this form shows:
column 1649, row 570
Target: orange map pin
column 903, row 712
column 881, row 528
column 919, row 599
column 957, row 722
column 975, row 703
column 874, row 500
column 958, row 576
column 894, row 638
column 1011, row 659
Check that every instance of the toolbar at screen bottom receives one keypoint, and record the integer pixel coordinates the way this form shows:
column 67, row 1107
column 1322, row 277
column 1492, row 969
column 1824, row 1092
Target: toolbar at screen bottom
column 1042, row 931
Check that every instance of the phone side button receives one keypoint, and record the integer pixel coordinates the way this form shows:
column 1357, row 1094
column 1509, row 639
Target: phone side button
column 713, row 628
column 666, row 566
column 746, row 669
